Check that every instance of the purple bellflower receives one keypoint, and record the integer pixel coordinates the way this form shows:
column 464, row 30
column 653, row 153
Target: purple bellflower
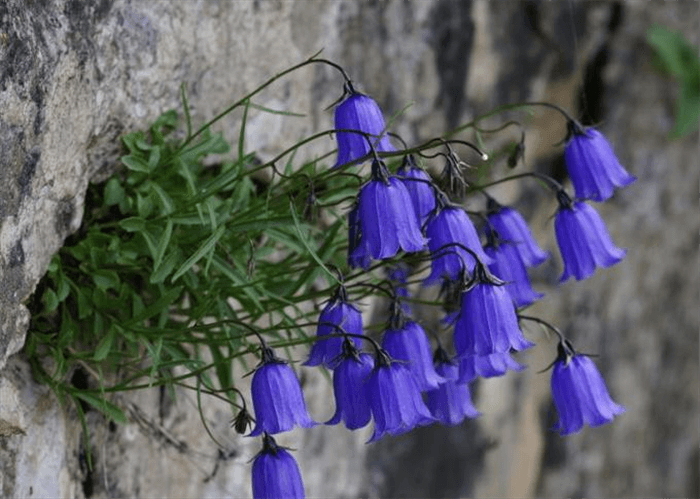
column 418, row 184
column 349, row 379
column 359, row 112
column 451, row 402
column 395, row 399
column 592, row 165
column 358, row 251
column 387, row 222
column 275, row 473
column 584, row 242
column 277, row 398
column 398, row 275
column 448, row 226
column 508, row 266
column 511, row 227
column 338, row 312
column 406, row 341
column 579, row 392
column 487, row 322
column 485, row 366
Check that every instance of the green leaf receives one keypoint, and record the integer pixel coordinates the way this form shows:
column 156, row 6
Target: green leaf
column 67, row 331
column 205, row 248
column 184, row 171
column 150, row 242
column 62, row 287
column 687, row 109
column 50, row 300
column 104, row 406
column 133, row 224
column 162, row 303
column 275, row 111
column 55, row 264
column 165, row 123
column 166, row 203
column 238, row 279
column 680, row 59
column 135, row 164
column 163, row 243
column 84, row 304
column 130, row 140
column 154, row 158
column 144, row 204
column 105, row 279
column 105, row 344
column 114, row 192
column 312, row 252
column 166, row 267
column 291, row 287
column 260, row 225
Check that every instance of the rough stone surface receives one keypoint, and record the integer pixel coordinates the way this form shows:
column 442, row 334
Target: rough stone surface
column 75, row 75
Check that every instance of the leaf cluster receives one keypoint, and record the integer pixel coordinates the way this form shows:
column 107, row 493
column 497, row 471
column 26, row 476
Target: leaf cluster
column 179, row 254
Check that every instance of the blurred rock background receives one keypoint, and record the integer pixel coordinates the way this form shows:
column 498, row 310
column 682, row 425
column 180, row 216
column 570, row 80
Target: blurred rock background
column 76, row 75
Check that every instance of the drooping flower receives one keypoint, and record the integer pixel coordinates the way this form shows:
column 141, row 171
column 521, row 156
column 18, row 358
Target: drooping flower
column 398, row 275
column 486, row 366
column 387, row 221
column 276, row 474
column 508, row 266
column 277, row 398
column 487, row 322
column 579, row 392
column 338, row 312
column 359, row 112
column 418, row 184
column 358, row 252
column 451, row 402
column 511, row 227
column 593, row 167
column 395, row 400
column 583, row 240
column 406, row 341
column 349, row 380
column 448, row 226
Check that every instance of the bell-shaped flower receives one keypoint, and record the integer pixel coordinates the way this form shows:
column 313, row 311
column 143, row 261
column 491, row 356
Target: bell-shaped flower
column 349, row 380
column 449, row 228
column 579, row 392
column 358, row 252
column 406, row 341
column 359, row 112
column 512, row 228
column 398, row 275
column 337, row 316
column 486, row 366
column 487, row 322
column 418, row 184
column 395, row 399
column 387, row 222
column 277, row 398
column 584, row 241
column 276, row 474
column 508, row 266
column 451, row 402
column 592, row 165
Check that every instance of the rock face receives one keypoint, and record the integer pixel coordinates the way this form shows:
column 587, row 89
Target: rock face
column 75, row 75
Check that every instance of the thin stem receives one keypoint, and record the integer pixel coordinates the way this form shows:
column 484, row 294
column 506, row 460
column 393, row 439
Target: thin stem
column 544, row 323
column 551, row 183
column 310, row 60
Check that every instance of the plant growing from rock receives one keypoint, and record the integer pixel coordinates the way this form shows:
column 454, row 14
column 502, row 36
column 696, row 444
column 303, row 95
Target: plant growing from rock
column 181, row 269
